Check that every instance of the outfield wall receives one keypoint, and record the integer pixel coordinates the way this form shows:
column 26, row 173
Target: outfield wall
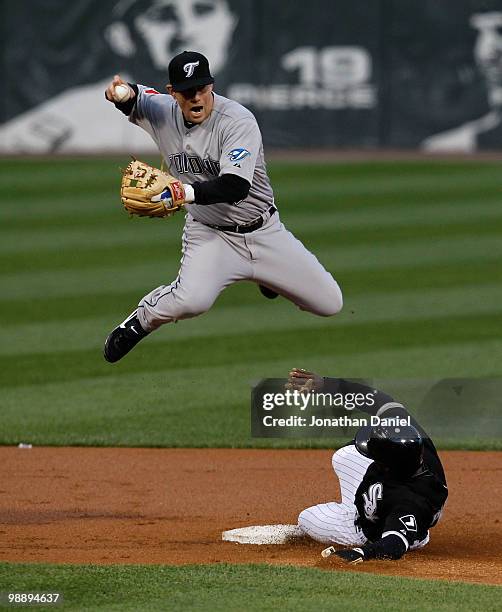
column 347, row 73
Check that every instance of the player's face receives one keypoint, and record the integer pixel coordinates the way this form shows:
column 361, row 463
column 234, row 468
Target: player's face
column 195, row 104
column 488, row 48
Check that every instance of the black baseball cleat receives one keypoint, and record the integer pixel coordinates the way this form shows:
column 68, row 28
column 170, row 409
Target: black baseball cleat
column 268, row 293
column 124, row 338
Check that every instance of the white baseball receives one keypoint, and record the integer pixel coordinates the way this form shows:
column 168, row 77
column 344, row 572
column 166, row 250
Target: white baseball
column 122, row 93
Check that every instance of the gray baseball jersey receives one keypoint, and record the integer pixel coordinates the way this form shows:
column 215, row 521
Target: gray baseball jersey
column 227, row 142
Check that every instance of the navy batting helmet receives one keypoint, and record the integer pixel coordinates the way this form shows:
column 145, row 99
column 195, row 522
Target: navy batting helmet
column 400, row 449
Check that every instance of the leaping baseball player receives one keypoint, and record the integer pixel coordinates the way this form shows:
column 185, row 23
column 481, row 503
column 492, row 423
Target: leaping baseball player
column 392, row 483
column 214, row 153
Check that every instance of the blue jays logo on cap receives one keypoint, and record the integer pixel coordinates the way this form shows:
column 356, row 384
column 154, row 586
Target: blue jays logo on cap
column 238, row 154
column 189, row 68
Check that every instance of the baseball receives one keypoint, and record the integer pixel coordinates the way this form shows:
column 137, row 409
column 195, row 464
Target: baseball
column 122, row 93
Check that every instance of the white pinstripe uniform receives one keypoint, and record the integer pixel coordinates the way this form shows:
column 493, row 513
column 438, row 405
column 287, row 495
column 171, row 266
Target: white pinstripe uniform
column 334, row 522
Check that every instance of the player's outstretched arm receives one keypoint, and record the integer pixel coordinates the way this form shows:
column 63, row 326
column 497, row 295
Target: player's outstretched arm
column 389, row 547
column 305, row 381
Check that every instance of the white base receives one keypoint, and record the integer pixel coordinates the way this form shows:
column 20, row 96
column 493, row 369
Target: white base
column 263, row 534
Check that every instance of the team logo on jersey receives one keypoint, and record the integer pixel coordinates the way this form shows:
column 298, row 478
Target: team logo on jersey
column 409, row 521
column 194, row 164
column 152, row 91
column 189, row 68
column 370, row 499
column 237, row 155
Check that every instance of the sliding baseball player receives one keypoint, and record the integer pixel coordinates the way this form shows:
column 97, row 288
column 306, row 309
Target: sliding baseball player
column 392, row 483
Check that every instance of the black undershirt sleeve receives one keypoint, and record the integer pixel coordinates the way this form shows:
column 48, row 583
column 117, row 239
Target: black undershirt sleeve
column 226, row 188
column 374, row 400
column 370, row 400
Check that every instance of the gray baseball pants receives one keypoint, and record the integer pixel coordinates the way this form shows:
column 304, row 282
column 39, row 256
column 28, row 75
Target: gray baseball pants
column 212, row 260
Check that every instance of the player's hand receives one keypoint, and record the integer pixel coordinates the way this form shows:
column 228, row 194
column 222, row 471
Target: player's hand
column 304, row 381
column 110, row 90
column 166, row 197
column 352, row 556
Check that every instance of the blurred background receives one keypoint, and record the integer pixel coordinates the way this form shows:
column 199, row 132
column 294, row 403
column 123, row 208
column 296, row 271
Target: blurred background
column 413, row 237
column 348, row 73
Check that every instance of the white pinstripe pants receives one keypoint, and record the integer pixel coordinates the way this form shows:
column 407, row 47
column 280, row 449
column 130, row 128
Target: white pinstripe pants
column 334, row 522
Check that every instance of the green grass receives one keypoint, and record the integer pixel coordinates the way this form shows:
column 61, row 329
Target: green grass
column 240, row 587
column 416, row 247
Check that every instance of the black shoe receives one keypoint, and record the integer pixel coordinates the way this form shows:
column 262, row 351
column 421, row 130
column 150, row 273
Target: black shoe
column 123, row 338
column 268, row 293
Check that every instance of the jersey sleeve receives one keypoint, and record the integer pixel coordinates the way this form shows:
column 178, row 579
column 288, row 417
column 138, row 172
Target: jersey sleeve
column 150, row 109
column 410, row 522
column 241, row 145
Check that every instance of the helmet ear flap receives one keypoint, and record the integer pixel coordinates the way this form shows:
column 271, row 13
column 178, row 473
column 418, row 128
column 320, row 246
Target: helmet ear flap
column 363, row 435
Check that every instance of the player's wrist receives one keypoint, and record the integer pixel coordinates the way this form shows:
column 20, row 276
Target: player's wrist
column 189, row 193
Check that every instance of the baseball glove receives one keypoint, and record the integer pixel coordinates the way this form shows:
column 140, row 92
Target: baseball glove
column 149, row 192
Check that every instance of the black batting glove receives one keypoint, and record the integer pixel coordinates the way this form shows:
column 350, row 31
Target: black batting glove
column 351, row 555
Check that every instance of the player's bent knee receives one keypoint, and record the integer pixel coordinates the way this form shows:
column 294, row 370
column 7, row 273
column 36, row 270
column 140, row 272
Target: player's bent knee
column 192, row 307
column 306, row 518
column 340, row 455
column 331, row 304
column 305, row 521
column 173, row 307
column 307, row 524
column 336, row 302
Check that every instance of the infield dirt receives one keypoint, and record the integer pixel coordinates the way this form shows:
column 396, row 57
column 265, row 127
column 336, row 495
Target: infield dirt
column 169, row 506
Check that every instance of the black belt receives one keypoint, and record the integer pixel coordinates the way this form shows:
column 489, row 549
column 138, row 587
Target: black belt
column 245, row 228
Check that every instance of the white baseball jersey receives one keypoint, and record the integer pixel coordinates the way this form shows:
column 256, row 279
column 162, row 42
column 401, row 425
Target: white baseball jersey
column 228, row 142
